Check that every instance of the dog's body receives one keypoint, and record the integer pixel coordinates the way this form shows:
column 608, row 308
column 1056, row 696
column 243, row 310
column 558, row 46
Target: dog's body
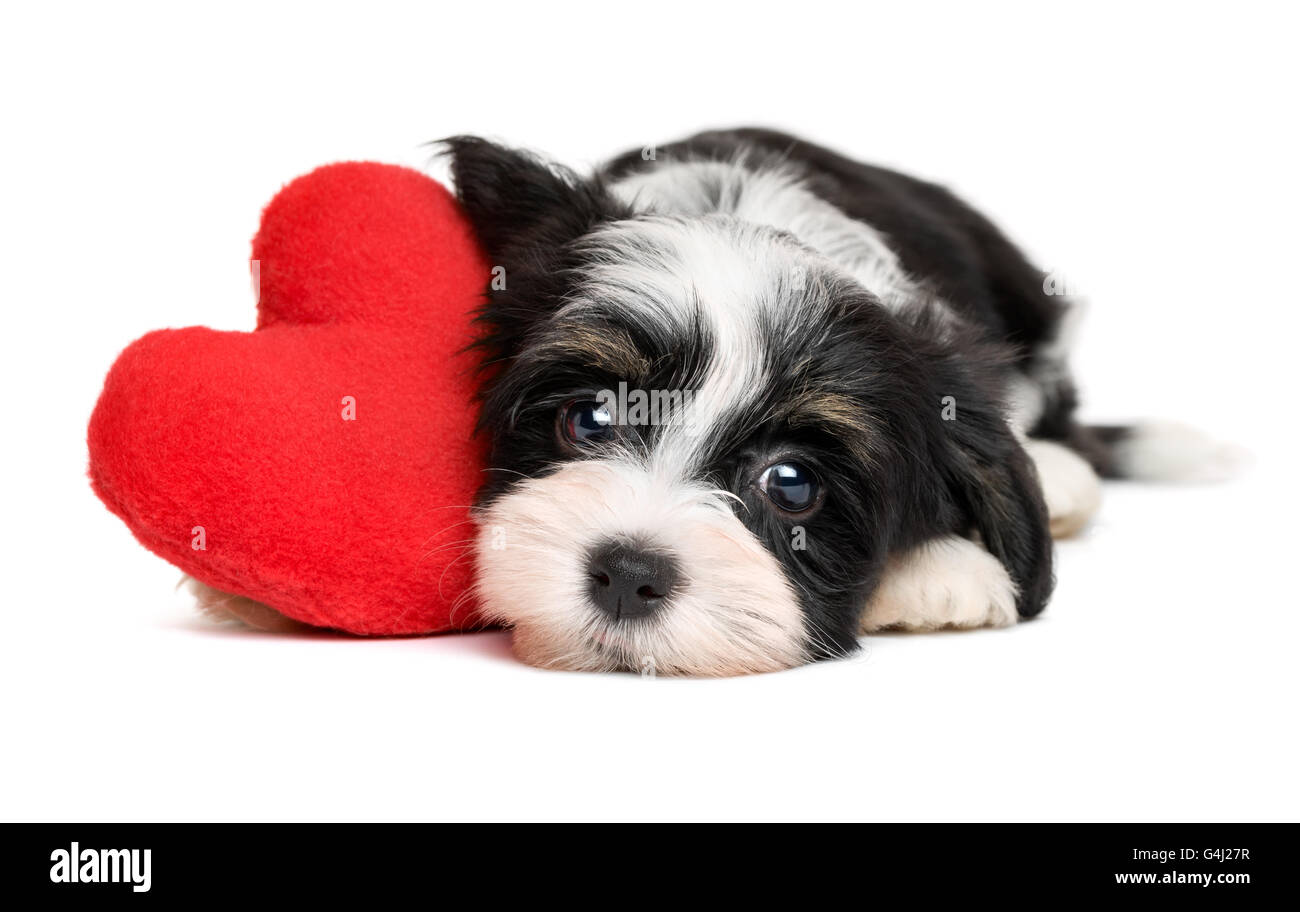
column 872, row 422
column 879, row 430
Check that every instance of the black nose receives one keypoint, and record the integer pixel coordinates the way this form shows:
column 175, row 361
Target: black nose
column 628, row 580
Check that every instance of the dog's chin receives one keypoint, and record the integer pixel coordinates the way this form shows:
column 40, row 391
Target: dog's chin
column 601, row 652
column 734, row 614
column 610, row 651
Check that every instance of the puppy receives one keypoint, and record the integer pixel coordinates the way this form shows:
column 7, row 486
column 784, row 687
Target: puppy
column 748, row 399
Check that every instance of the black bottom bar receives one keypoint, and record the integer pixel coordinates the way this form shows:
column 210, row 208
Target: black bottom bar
column 335, row 861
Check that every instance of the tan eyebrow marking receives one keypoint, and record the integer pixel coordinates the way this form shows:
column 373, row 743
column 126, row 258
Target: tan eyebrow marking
column 820, row 406
column 608, row 348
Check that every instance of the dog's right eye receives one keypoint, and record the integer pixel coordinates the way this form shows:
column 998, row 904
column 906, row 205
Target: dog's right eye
column 586, row 421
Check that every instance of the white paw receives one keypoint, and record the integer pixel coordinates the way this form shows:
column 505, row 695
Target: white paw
column 1071, row 488
column 948, row 582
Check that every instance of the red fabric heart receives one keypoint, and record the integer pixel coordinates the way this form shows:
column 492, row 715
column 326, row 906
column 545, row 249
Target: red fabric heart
column 325, row 461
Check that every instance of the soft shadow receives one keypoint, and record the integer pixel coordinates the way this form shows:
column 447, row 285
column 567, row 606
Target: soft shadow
column 491, row 644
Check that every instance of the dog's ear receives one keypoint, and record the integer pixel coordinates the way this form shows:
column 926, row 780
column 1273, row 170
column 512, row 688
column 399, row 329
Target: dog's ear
column 515, row 200
column 995, row 483
column 990, row 477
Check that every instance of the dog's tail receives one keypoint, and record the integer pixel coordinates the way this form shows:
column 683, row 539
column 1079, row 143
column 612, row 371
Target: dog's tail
column 1156, row 451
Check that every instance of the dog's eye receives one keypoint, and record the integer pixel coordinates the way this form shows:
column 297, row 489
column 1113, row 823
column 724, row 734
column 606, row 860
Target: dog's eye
column 586, row 421
column 792, row 486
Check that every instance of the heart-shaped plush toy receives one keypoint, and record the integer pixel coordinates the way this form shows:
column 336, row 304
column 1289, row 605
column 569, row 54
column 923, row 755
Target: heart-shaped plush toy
column 323, row 464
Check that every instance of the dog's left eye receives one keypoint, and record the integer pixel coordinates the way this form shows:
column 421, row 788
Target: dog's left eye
column 586, row 421
column 792, row 486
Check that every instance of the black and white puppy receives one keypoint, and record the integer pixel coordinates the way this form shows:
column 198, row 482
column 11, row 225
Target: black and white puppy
column 748, row 399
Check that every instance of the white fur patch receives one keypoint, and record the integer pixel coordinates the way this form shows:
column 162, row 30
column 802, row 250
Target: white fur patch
column 1169, row 451
column 1026, row 402
column 947, row 582
column 735, row 614
column 1071, row 488
column 738, row 278
column 775, row 197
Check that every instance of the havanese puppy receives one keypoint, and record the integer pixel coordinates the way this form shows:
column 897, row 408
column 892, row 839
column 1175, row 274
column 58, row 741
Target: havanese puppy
column 749, row 399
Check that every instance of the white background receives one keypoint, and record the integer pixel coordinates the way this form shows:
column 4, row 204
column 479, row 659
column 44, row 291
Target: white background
column 1147, row 153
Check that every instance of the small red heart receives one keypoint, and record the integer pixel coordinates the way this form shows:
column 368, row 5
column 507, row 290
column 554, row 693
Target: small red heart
column 324, row 463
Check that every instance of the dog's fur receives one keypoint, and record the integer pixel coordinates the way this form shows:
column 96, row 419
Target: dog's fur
column 867, row 328
column 864, row 324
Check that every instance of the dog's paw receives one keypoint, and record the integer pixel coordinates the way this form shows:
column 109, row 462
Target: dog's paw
column 222, row 606
column 948, row 582
column 1071, row 488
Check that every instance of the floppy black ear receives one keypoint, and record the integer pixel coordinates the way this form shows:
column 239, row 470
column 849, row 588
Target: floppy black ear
column 998, row 488
column 515, row 199
column 990, row 476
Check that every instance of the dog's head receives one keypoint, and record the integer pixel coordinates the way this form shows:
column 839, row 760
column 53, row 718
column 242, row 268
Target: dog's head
column 706, row 440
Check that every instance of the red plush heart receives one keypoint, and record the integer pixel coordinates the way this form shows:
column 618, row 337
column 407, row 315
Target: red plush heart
column 322, row 464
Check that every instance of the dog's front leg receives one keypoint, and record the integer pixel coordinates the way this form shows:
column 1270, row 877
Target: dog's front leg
column 946, row 582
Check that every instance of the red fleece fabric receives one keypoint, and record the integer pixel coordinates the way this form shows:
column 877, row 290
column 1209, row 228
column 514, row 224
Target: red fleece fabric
column 328, row 456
